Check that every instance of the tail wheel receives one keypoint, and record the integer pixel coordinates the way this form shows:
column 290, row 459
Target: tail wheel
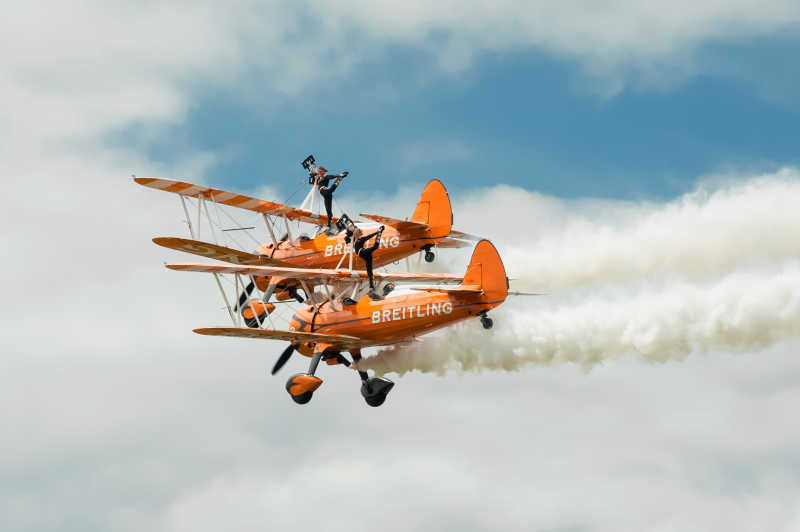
column 486, row 322
column 429, row 256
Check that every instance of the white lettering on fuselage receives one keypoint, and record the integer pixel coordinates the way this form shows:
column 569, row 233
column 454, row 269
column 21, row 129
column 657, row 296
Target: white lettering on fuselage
column 341, row 248
column 414, row 311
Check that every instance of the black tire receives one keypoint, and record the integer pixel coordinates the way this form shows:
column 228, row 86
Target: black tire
column 253, row 323
column 303, row 398
column 376, row 400
column 429, row 256
column 487, row 323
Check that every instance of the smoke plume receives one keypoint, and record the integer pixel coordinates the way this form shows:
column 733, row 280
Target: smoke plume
column 705, row 233
column 714, row 271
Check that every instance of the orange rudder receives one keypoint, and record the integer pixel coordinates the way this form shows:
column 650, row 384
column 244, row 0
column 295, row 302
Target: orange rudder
column 434, row 209
column 487, row 271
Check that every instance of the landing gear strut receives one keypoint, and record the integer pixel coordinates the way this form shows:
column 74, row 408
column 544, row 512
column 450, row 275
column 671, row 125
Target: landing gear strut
column 429, row 255
column 373, row 389
column 486, row 321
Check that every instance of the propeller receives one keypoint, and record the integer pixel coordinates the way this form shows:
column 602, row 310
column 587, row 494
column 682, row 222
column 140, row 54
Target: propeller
column 283, row 358
column 245, row 294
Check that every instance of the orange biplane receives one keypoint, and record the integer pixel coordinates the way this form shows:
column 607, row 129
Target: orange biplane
column 329, row 326
column 430, row 226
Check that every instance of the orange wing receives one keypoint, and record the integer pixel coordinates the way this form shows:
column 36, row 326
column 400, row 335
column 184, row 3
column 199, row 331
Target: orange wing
column 233, row 200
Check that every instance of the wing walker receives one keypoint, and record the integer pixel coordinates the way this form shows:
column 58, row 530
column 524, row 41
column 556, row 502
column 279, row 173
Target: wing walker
column 345, row 305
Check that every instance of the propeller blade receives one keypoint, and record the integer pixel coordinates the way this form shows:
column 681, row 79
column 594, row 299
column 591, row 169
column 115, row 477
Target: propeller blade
column 245, row 294
column 283, row 359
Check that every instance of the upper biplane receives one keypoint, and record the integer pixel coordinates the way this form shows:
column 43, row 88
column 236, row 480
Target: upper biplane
column 329, row 326
column 429, row 227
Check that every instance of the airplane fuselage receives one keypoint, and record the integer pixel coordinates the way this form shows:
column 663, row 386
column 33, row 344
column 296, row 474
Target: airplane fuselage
column 325, row 251
column 392, row 319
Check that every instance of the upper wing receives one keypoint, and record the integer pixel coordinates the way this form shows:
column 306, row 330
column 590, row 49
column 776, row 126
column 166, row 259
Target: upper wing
column 317, row 274
column 213, row 251
column 234, row 200
column 401, row 225
column 339, row 340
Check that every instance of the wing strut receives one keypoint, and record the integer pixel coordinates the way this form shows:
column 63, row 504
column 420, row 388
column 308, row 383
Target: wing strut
column 269, row 228
column 216, row 275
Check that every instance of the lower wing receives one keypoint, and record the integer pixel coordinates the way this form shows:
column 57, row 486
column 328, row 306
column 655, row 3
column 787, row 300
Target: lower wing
column 336, row 340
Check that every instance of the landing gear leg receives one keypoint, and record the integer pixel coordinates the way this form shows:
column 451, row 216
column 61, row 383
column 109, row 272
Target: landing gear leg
column 375, row 389
column 486, row 321
column 301, row 386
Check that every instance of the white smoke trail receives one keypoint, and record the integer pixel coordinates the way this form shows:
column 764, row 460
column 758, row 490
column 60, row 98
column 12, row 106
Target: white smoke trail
column 743, row 311
column 702, row 234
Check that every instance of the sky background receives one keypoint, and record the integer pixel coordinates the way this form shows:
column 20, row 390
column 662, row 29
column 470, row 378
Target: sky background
column 577, row 131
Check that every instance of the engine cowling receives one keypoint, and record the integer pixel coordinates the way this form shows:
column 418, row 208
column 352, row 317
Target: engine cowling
column 255, row 312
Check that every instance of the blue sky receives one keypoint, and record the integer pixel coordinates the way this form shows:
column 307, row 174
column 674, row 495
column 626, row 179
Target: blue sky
column 524, row 118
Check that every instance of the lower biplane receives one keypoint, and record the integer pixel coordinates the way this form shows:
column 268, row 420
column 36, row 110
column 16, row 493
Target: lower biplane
column 340, row 318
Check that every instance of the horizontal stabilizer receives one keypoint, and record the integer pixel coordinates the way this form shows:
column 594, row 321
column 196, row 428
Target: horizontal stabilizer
column 463, row 236
column 464, row 289
column 338, row 340
column 526, row 294
column 453, row 243
column 400, row 225
column 233, row 200
column 213, row 251
column 318, row 275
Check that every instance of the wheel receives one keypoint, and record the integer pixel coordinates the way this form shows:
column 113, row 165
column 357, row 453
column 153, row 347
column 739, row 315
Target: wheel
column 376, row 400
column 375, row 390
column 487, row 322
column 303, row 398
column 429, row 256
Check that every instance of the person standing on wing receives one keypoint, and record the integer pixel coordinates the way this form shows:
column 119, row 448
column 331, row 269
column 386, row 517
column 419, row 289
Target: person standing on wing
column 366, row 253
column 326, row 189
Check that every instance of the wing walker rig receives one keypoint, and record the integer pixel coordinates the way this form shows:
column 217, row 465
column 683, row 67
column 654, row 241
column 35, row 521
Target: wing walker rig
column 345, row 305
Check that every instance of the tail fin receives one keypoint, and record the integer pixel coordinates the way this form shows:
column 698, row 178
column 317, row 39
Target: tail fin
column 434, row 208
column 487, row 271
